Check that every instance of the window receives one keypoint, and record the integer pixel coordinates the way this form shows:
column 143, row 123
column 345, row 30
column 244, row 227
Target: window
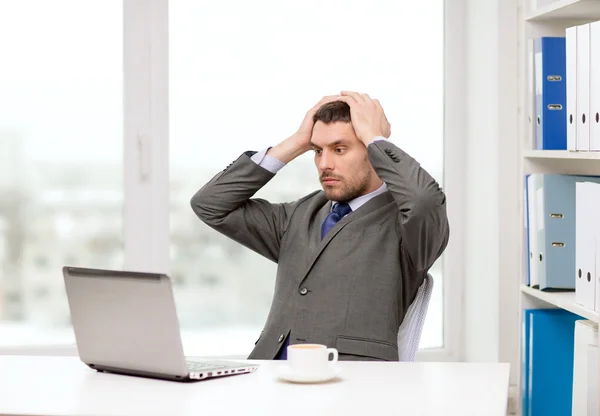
column 61, row 193
column 241, row 77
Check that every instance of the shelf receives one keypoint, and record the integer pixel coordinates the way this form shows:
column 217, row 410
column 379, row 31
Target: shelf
column 563, row 300
column 585, row 10
column 561, row 154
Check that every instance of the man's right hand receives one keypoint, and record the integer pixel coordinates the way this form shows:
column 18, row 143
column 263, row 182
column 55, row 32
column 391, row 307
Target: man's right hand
column 299, row 143
column 304, row 133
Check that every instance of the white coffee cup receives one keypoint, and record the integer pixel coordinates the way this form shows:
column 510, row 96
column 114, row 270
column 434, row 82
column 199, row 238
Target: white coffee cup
column 310, row 358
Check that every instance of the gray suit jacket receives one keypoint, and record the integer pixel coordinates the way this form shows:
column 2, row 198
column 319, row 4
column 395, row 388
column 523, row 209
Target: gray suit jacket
column 350, row 290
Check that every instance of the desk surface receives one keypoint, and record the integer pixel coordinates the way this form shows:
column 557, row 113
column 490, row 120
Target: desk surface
column 31, row 385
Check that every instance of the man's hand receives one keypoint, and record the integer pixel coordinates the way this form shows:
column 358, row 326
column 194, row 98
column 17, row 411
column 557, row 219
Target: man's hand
column 368, row 117
column 299, row 143
column 304, row 133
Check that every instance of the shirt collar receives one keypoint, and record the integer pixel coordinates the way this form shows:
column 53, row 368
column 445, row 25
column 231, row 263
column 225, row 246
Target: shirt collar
column 356, row 203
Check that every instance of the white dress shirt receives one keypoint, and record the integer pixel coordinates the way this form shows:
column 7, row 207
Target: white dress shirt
column 273, row 165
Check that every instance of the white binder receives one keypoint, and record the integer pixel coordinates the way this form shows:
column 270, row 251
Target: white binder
column 592, row 198
column 594, row 86
column 585, row 372
column 585, row 248
column 595, row 227
column 531, row 113
column 592, row 369
column 525, row 236
column 579, row 242
column 583, row 87
column 571, row 83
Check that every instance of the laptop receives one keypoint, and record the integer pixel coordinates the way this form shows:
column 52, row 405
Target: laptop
column 126, row 323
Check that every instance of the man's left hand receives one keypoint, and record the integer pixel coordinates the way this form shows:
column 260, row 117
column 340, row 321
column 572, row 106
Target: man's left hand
column 368, row 117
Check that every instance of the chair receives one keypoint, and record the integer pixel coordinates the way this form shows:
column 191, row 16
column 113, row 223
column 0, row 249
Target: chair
column 409, row 333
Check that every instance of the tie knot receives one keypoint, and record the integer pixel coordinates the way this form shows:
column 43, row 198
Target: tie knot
column 342, row 209
column 337, row 213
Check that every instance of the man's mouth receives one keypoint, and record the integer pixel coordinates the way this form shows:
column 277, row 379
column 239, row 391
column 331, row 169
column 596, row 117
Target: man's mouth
column 329, row 180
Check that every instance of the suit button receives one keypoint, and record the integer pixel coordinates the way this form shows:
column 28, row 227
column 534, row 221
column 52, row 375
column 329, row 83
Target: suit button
column 280, row 338
column 303, row 291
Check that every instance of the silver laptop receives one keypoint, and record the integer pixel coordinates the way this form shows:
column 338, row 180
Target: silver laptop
column 126, row 323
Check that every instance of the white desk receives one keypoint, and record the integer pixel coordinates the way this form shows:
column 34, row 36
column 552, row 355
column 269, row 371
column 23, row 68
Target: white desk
column 32, row 385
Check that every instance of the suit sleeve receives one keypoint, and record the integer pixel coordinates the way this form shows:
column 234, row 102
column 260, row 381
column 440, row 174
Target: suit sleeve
column 422, row 220
column 225, row 204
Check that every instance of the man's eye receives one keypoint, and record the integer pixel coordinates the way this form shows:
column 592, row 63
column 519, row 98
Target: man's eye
column 339, row 150
column 317, row 151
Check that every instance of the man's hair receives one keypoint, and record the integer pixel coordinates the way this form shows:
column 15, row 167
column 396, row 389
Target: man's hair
column 332, row 112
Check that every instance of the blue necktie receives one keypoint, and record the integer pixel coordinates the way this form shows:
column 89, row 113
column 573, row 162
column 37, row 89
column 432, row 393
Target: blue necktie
column 337, row 213
column 282, row 354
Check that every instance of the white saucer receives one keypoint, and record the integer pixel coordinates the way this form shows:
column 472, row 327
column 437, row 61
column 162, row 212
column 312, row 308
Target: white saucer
column 286, row 373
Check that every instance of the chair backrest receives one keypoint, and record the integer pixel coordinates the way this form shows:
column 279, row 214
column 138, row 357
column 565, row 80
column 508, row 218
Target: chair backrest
column 409, row 333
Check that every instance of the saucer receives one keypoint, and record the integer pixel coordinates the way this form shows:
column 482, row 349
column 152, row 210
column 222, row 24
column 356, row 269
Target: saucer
column 286, row 373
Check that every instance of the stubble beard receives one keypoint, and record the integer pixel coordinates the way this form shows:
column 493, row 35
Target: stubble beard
column 347, row 192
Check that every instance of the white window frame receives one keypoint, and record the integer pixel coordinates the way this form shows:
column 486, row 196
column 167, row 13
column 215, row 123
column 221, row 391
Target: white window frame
column 146, row 135
column 146, row 158
column 454, row 183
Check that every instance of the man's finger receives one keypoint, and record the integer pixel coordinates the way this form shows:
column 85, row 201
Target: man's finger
column 366, row 98
column 357, row 97
column 328, row 98
column 325, row 100
column 379, row 107
column 348, row 100
column 387, row 126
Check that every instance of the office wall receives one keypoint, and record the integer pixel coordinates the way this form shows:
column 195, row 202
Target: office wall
column 490, row 280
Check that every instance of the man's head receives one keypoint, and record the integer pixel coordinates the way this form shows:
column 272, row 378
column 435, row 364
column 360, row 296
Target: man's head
column 341, row 158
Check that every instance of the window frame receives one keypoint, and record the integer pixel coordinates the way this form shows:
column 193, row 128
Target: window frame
column 454, row 183
column 146, row 135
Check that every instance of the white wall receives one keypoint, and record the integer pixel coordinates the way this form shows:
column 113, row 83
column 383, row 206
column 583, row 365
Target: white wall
column 509, row 183
column 491, row 268
column 481, row 268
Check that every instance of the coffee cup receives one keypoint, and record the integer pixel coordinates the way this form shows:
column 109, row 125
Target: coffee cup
column 310, row 358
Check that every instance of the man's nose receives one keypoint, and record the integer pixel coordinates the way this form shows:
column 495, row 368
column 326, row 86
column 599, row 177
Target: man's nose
column 325, row 161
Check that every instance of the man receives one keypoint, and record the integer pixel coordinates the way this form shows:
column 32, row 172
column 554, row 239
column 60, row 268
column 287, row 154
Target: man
column 350, row 257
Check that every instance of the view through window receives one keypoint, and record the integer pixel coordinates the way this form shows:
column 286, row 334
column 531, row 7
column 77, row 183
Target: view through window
column 61, row 193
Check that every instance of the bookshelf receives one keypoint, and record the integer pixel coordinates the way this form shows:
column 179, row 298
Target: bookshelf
column 564, row 300
column 565, row 10
column 549, row 20
column 561, row 155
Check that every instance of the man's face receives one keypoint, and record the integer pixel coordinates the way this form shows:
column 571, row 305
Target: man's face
column 342, row 161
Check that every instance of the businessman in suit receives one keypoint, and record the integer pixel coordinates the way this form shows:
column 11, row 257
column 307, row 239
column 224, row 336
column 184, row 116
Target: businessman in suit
column 350, row 256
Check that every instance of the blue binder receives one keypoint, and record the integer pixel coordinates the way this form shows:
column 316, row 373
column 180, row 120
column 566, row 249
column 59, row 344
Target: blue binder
column 550, row 93
column 525, row 362
column 556, row 229
column 548, row 362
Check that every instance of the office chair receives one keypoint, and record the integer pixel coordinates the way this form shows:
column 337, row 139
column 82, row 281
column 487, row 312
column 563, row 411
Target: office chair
column 409, row 333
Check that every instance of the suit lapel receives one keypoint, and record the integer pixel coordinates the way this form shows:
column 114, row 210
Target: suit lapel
column 315, row 228
column 317, row 245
